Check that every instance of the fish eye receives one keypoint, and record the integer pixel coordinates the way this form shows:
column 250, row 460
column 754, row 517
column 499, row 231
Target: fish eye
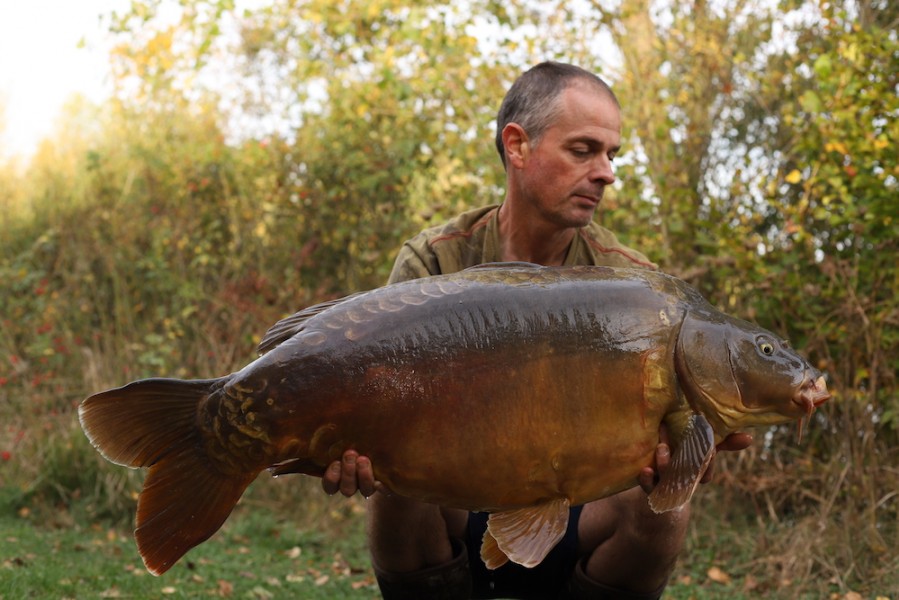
column 766, row 348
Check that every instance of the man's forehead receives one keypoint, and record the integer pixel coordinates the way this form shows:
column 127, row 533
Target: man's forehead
column 587, row 98
column 587, row 109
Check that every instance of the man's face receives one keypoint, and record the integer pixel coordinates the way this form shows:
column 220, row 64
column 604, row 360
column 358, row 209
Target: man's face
column 565, row 173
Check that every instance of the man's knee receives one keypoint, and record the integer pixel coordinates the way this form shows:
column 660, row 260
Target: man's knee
column 405, row 535
column 582, row 587
column 449, row 581
column 628, row 546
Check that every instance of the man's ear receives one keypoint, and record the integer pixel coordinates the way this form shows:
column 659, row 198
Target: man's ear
column 516, row 145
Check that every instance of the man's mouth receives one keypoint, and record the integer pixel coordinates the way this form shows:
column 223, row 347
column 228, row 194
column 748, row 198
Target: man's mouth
column 593, row 198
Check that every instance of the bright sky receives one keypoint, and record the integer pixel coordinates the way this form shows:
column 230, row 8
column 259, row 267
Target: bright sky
column 41, row 65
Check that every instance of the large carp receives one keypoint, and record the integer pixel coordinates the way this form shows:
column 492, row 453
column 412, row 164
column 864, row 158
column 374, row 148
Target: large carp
column 509, row 388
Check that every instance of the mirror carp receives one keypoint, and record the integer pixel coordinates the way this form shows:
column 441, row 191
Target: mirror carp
column 509, row 388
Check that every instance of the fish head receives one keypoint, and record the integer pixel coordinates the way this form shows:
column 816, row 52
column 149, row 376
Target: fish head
column 742, row 375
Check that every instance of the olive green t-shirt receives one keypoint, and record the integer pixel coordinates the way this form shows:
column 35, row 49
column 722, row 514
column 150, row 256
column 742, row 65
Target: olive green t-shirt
column 472, row 238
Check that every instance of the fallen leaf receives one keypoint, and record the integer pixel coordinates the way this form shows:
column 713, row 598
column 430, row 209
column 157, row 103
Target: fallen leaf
column 168, row 590
column 322, row 580
column 294, row 552
column 261, row 593
column 718, row 576
column 853, row 596
column 367, row 582
column 226, row 588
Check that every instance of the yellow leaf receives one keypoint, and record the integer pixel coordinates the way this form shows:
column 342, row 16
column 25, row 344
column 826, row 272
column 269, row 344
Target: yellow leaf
column 794, row 176
column 836, row 146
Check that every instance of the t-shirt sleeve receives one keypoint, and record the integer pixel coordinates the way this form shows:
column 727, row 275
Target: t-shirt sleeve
column 413, row 262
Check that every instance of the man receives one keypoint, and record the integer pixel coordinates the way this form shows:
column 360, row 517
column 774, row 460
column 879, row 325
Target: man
column 558, row 131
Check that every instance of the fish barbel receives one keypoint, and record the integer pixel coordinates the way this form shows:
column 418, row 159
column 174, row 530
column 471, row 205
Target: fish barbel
column 510, row 388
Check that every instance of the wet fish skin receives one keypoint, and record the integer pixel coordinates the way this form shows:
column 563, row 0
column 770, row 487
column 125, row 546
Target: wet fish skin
column 514, row 389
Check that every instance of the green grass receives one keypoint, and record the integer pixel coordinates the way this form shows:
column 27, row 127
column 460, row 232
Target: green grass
column 286, row 539
column 259, row 553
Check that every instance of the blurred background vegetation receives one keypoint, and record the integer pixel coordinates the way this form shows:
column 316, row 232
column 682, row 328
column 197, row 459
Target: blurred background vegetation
column 253, row 161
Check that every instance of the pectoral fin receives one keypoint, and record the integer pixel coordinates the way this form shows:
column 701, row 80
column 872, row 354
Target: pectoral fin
column 524, row 535
column 304, row 466
column 689, row 460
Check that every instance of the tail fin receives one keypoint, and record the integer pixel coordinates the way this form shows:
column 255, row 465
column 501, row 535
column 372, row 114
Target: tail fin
column 153, row 423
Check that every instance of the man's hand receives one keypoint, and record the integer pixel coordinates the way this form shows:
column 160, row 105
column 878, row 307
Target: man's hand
column 351, row 474
column 649, row 477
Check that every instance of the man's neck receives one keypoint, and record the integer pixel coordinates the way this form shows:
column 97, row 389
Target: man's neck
column 526, row 238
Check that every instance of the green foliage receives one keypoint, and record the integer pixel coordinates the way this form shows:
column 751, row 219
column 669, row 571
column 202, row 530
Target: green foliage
column 680, row 80
column 771, row 172
column 837, row 190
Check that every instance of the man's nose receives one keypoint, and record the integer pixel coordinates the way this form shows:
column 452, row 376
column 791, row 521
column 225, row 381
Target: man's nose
column 602, row 170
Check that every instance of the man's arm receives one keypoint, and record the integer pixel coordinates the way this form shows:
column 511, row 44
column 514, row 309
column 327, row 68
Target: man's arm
column 411, row 263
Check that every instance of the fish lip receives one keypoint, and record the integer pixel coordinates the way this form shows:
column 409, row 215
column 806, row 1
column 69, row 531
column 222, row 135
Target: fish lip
column 812, row 393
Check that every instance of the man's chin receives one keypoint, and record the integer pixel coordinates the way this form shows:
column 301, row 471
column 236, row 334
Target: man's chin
column 580, row 218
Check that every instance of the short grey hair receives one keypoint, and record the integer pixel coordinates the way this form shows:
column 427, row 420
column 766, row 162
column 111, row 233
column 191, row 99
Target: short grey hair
column 533, row 100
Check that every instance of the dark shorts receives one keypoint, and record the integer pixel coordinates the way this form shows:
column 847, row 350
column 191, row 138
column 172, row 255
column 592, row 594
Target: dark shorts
column 546, row 580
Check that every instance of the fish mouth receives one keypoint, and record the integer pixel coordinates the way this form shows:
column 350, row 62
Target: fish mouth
column 812, row 394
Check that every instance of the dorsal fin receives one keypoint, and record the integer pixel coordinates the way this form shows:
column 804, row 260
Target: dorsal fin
column 288, row 327
column 511, row 264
